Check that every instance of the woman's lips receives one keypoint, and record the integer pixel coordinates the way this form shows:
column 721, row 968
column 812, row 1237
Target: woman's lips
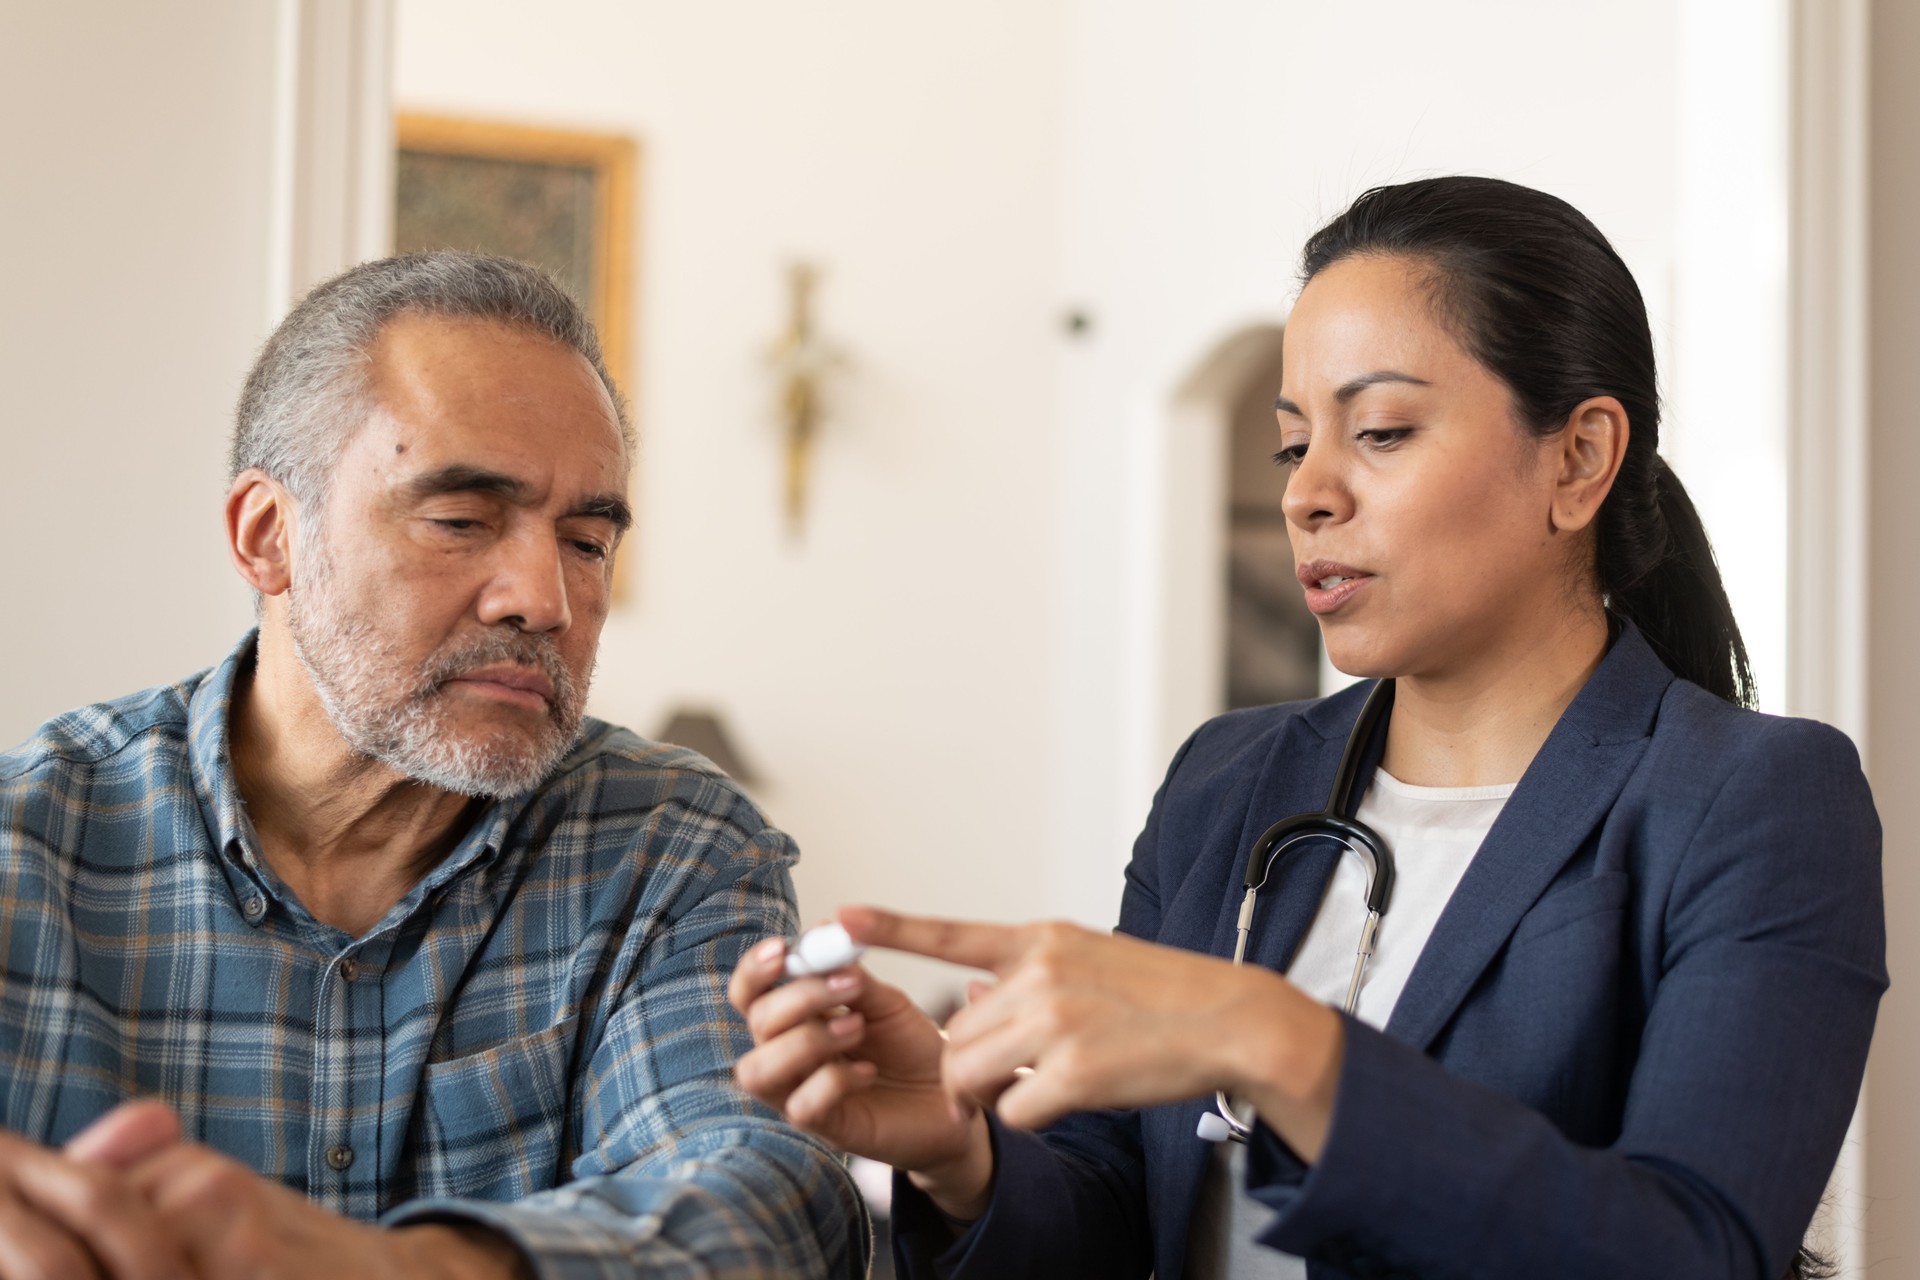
column 1323, row 601
column 1329, row 585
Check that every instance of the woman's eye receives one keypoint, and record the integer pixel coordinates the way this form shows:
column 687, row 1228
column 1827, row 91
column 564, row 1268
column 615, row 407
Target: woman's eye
column 1383, row 437
column 1290, row 456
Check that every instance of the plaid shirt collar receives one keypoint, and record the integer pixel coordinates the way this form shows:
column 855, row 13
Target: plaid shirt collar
column 231, row 832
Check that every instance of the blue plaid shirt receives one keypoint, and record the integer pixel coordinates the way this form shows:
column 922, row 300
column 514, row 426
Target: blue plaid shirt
column 535, row 1038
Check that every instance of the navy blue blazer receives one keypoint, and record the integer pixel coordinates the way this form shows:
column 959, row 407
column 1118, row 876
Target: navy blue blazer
column 1630, row 1048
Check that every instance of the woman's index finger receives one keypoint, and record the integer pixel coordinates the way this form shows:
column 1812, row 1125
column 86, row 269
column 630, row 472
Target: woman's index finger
column 972, row 943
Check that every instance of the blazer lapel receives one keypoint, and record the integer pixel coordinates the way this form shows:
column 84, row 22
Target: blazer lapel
column 1565, row 793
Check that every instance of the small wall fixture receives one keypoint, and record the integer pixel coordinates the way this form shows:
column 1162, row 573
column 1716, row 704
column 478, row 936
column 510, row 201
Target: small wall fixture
column 801, row 360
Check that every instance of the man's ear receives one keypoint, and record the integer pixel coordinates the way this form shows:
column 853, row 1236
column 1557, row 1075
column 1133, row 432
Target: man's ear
column 261, row 517
column 1592, row 447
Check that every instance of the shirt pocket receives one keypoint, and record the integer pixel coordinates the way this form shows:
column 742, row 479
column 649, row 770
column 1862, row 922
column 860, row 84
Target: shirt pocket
column 498, row 1120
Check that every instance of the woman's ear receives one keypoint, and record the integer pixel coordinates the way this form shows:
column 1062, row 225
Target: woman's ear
column 260, row 517
column 1591, row 449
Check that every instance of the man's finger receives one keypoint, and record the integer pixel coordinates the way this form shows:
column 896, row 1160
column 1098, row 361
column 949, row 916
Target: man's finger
column 757, row 973
column 32, row 1245
column 816, row 1104
column 778, row 1067
column 966, row 942
column 126, row 1135
column 779, row 1011
column 101, row 1209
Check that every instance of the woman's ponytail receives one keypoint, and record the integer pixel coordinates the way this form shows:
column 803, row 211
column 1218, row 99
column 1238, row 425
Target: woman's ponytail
column 1658, row 571
column 1538, row 296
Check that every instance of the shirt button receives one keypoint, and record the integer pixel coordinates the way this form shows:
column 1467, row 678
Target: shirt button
column 339, row 1157
column 254, row 908
column 349, row 968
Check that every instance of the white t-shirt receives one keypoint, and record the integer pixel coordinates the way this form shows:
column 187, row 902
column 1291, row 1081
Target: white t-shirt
column 1433, row 833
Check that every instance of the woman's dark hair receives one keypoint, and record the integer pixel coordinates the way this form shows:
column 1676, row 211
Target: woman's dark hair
column 1808, row 1265
column 1536, row 294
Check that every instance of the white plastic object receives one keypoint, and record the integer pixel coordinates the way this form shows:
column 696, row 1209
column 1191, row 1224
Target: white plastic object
column 822, row 950
column 1213, row 1127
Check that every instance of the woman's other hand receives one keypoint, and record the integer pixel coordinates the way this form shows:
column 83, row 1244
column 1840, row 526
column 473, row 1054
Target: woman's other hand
column 852, row 1059
column 1105, row 1020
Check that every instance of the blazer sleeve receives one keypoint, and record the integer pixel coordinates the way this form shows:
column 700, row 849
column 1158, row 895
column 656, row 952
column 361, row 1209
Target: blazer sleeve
column 1755, row 1041
column 1069, row 1201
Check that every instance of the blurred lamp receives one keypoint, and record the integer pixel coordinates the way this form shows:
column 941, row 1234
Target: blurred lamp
column 701, row 730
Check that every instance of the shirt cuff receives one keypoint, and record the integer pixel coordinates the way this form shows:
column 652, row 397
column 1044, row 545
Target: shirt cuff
column 561, row 1241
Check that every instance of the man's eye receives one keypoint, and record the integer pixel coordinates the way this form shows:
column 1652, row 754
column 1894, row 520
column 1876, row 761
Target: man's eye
column 458, row 526
column 588, row 547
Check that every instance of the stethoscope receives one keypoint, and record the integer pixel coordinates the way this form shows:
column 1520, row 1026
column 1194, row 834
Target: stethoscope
column 1337, row 824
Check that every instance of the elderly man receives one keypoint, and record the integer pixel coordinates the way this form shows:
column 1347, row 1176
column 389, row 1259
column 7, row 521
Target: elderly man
column 368, row 923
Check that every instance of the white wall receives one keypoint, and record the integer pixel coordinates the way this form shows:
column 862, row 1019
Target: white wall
column 888, row 675
column 133, row 243
column 1205, row 142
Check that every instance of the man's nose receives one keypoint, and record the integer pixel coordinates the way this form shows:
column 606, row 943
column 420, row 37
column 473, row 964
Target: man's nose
column 528, row 589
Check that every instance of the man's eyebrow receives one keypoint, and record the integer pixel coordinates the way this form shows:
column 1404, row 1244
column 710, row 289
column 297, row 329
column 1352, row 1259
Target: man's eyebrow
column 610, row 507
column 1354, row 387
column 461, row 478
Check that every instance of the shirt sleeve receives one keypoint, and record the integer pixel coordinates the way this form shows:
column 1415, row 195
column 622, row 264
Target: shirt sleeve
column 682, row 1174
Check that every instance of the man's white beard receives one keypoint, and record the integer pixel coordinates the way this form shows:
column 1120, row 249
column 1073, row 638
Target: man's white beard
column 402, row 719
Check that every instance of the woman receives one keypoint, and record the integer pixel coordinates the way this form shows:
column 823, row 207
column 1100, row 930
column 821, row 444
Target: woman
column 1621, row 999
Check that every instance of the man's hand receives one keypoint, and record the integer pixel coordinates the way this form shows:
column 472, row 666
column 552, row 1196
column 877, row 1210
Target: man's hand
column 72, row 1214
column 131, row 1201
column 237, row 1225
column 850, row 1058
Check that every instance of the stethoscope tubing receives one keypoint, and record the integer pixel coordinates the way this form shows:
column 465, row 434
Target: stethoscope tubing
column 1333, row 823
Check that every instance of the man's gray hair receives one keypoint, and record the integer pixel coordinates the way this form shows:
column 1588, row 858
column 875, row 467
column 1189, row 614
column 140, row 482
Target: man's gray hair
column 309, row 389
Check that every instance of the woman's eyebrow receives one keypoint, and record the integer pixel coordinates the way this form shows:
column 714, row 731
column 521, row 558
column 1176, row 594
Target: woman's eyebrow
column 1353, row 387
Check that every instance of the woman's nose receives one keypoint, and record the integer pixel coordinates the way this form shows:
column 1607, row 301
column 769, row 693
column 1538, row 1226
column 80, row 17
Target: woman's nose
column 1317, row 491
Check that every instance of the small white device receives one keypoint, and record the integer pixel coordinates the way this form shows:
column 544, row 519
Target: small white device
column 822, row 950
column 1214, row 1127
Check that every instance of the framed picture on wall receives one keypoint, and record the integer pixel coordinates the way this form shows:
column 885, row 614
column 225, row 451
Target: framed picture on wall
column 560, row 199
